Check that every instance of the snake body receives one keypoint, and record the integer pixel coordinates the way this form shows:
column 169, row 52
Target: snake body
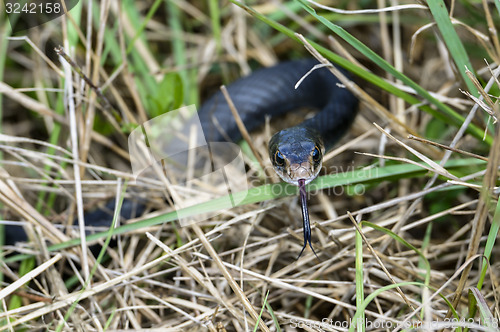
column 271, row 92
column 296, row 153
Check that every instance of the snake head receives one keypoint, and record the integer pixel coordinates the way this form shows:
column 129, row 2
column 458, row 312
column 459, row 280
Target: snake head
column 296, row 154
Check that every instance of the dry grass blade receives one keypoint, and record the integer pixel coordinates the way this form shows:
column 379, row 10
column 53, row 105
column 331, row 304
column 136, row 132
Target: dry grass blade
column 438, row 168
column 466, row 153
column 377, row 258
column 76, row 169
column 439, row 291
column 234, row 285
column 18, row 204
column 35, row 310
column 369, row 11
column 207, row 284
column 29, row 102
column 283, row 284
column 244, row 132
column 424, row 207
column 358, row 92
column 28, row 276
column 482, row 211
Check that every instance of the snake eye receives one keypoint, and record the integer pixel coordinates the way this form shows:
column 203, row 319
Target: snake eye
column 279, row 159
column 316, row 155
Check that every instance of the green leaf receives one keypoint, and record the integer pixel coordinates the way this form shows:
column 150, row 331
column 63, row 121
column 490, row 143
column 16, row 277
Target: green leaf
column 169, row 94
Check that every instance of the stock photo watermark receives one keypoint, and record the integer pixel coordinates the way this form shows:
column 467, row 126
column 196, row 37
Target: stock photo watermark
column 327, row 324
column 171, row 150
column 27, row 14
column 174, row 152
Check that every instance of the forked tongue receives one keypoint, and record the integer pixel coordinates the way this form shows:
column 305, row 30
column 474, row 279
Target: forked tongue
column 305, row 217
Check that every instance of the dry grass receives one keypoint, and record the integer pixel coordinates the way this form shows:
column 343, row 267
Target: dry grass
column 64, row 151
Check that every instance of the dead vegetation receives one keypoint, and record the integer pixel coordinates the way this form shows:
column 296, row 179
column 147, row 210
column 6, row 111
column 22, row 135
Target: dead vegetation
column 428, row 211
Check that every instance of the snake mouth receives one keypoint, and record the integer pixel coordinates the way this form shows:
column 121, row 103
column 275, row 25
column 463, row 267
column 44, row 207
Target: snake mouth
column 300, row 171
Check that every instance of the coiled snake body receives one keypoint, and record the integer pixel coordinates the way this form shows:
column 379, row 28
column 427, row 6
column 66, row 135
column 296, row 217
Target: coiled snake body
column 297, row 152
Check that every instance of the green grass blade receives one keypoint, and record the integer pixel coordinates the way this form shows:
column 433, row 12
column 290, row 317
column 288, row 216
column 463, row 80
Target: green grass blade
column 215, row 22
column 109, row 235
column 452, row 41
column 4, row 33
column 140, row 30
column 260, row 313
column 272, row 191
column 449, row 113
column 273, row 315
column 360, row 295
column 445, row 113
column 180, row 53
column 487, row 318
column 396, row 237
column 360, row 311
column 490, row 243
column 369, row 299
column 405, row 243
